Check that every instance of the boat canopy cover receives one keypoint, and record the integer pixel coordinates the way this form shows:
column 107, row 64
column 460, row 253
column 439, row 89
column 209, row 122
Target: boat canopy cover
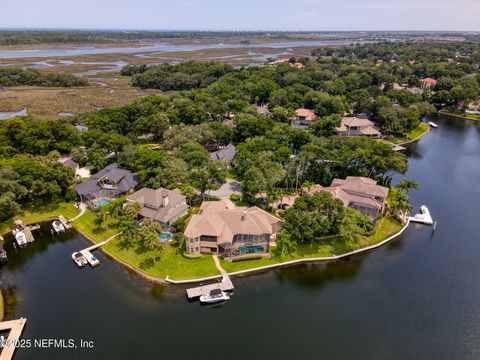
column 216, row 292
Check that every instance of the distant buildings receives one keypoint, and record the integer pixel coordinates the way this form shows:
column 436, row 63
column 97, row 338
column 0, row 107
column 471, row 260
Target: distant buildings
column 354, row 126
column 357, row 192
column 224, row 229
column 428, row 83
column 304, row 118
column 162, row 205
column 106, row 185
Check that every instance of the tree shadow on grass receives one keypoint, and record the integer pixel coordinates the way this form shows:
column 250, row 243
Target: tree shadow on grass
column 147, row 263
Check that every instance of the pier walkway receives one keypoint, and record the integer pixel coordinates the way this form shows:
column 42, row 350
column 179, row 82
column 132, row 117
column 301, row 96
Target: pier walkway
column 15, row 327
column 225, row 284
column 87, row 253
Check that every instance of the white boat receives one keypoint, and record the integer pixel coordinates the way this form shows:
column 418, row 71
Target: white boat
column 58, row 227
column 215, row 296
column 423, row 217
column 20, row 237
column 79, row 259
column 432, row 124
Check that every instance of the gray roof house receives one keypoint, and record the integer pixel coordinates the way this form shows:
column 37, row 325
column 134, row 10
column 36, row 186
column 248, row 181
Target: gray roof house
column 162, row 205
column 355, row 126
column 67, row 161
column 226, row 154
column 107, row 184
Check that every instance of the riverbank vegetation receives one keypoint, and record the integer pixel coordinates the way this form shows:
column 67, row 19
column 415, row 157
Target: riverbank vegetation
column 20, row 77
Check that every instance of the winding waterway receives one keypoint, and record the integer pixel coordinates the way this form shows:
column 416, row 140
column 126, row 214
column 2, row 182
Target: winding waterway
column 165, row 47
column 416, row 298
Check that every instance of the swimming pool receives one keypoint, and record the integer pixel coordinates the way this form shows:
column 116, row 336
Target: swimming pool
column 165, row 237
column 99, row 203
column 248, row 250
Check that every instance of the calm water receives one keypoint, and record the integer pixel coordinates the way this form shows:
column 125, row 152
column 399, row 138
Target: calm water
column 165, row 47
column 416, row 298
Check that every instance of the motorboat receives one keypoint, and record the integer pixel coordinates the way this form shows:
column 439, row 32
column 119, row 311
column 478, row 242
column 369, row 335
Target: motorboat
column 423, row 217
column 432, row 124
column 79, row 259
column 20, row 237
column 58, row 227
column 214, row 296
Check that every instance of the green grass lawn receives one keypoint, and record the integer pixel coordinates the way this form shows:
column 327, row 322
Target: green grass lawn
column 172, row 263
column 412, row 135
column 31, row 213
column 86, row 225
column 326, row 247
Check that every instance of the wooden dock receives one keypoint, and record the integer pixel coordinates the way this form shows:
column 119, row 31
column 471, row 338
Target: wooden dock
column 15, row 327
column 225, row 285
column 87, row 253
column 66, row 224
column 26, row 230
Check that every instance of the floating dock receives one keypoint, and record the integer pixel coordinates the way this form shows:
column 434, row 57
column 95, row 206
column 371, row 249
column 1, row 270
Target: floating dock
column 15, row 327
column 423, row 217
column 225, row 285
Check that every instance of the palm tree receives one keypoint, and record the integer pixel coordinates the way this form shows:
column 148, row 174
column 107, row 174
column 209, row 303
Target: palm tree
column 406, row 185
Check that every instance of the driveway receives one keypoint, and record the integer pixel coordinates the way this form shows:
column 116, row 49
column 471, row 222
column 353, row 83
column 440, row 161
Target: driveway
column 230, row 187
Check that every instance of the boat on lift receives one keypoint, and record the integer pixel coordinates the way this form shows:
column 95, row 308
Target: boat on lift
column 58, row 227
column 214, row 296
column 79, row 259
column 20, row 237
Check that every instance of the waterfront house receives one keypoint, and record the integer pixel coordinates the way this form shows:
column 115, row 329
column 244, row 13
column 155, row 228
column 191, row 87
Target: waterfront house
column 106, row 185
column 355, row 126
column 357, row 192
column 222, row 228
column 162, row 205
column 428, row 83
column 304, row 118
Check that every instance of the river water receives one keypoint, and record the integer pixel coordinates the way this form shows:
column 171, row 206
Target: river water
column 416, row 298
column 165, row 47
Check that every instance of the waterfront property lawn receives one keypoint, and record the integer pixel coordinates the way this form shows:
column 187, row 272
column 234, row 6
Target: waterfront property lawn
column 86, row 225
column 32, row 213
column 412, row 135
column 325, row 247
column 172, row 263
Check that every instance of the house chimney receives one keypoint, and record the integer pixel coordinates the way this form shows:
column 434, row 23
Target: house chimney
column 165, row 200
column 244, row 215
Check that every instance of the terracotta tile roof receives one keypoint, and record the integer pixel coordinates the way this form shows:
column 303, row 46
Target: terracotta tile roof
column 223, row 220
column 428, row 81
column 306, row 113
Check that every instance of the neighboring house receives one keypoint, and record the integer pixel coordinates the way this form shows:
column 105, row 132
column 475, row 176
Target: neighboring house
column 106, row 185
column 230, row 231
column 229, row 122
column 304, row 118
column 162, row 205
column 357, row 192
column 278, row 62
column 68, row 162
column 226, row 154
column 262, row 109
column 428, row 83
column 354, row 126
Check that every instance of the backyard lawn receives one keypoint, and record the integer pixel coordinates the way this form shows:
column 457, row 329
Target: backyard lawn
column 35, row 213
column 412, row 135
column 327, row 247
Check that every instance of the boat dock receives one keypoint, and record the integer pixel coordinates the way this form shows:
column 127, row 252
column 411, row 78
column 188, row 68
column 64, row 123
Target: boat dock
column 26, row 230
column 87, row 253
column 225, row 285
column 15, row 327
column 66, row 224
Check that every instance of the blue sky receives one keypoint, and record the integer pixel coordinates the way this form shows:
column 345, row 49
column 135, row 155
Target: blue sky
column 243, row 14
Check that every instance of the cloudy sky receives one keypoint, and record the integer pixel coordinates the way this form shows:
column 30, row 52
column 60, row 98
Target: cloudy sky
column 243, row 14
